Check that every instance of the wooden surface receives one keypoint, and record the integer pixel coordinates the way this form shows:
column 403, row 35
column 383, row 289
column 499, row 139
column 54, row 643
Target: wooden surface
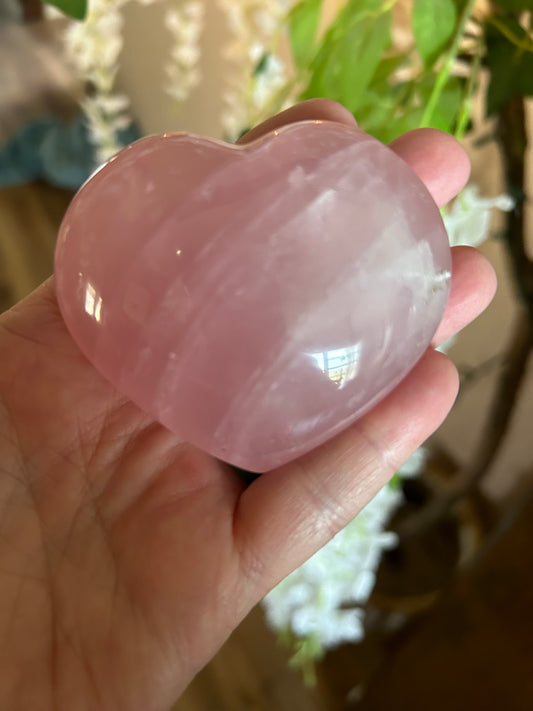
column 29, row 220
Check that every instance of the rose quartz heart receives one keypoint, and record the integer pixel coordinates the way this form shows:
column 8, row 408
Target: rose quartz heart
column 254, row 299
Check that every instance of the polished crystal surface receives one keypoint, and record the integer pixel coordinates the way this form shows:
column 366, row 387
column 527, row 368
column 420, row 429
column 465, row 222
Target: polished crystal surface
column 258, row 299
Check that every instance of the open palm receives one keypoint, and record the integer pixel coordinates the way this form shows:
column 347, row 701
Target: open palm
column 126, row 556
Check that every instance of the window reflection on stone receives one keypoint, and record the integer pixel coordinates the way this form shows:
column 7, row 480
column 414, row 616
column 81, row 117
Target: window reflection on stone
column 93, row 303
column 340, row 364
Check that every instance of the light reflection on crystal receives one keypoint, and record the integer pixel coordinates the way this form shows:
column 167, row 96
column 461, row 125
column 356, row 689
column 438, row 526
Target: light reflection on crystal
column 341, row 365
column 93, row 303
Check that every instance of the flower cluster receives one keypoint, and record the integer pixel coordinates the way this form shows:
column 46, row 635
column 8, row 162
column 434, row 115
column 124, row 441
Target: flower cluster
column 323, row 599
column 467, row 219
column 93, row 47
column 185, row 24
column 258, row 73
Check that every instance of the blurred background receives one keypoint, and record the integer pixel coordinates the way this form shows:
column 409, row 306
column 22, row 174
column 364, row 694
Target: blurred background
column 437, row 609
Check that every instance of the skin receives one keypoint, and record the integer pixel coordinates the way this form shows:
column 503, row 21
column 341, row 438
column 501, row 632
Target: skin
column 127, row 557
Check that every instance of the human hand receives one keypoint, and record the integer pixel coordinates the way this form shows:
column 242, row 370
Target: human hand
column 126, row 556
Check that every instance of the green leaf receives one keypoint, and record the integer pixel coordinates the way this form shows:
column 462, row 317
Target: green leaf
column 447, row 109
column 376, row 112
column 73, row 8
column 261, row 65
column 387, row 117
column 516, row 5
column 386, row 67
column 402, row 123
column 350, row 53
column 433, row 24
column 304, row 19
column 396, row 482
column 373, row 115
column 511, row 68
column 383, row 97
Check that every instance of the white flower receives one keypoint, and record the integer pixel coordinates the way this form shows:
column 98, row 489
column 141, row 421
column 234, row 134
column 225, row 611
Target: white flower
column 114, row 103
column 185, row 23
column 322, row 599
column 186, row 57
column 415, row 464
column 340, row 626
column 467, row 219
column 256, row 51
column 53, row 13
column 253, row 24
column 448, row 343
column 93, row 47
column 268, row 82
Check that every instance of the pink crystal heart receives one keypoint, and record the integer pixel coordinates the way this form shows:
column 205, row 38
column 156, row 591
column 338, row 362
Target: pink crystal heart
column 255, row 299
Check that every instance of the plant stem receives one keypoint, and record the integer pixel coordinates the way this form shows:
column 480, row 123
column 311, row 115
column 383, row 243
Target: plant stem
column 465, row 111
column 525, row 44
column 512, row 136
column 444, row 74
column 471, row 375
column 504, row 400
